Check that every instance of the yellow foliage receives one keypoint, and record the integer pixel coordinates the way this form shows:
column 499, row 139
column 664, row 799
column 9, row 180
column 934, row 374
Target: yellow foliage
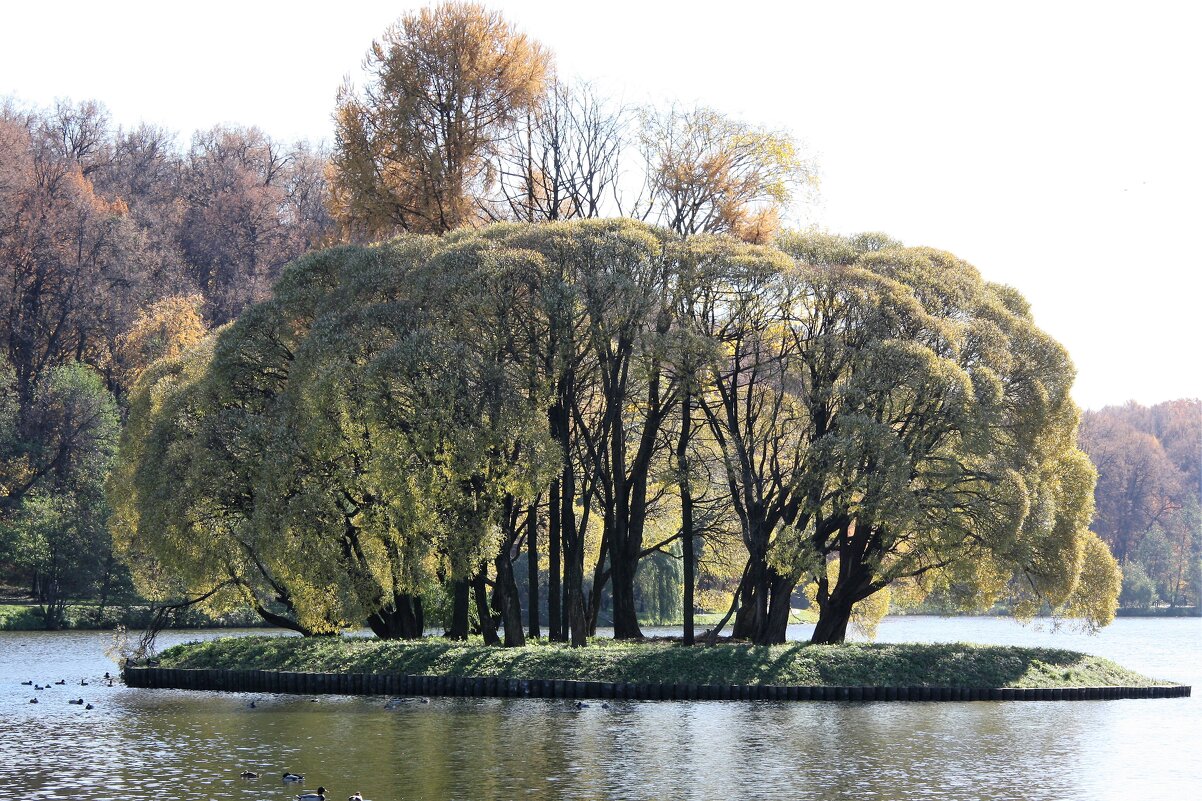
column 163, row 331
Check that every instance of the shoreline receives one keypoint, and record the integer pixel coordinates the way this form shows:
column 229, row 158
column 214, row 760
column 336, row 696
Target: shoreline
column 392, row 684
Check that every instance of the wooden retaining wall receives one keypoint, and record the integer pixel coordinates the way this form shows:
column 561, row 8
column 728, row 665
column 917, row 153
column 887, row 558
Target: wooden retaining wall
column 275, row 681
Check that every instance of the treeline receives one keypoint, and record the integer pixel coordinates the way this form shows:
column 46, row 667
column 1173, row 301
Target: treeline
column 1148, row 495
column 113, row 241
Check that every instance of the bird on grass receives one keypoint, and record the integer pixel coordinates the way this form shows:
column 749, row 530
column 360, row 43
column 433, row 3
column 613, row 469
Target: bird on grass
column 294, row 777
column 320, row 795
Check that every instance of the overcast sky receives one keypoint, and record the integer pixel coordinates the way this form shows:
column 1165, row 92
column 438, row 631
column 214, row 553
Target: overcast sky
column 1056, row 146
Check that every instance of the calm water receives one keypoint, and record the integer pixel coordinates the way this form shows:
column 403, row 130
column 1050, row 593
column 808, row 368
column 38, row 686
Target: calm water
column 167, row 744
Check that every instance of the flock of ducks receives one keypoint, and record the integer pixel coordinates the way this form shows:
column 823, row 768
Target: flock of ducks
column 296, row 778
column 60, row 683
column 288, row 777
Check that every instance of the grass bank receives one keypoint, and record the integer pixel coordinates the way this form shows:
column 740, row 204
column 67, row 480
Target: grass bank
column 851, row 664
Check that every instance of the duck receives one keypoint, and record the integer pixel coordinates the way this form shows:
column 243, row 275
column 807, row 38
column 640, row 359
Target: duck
column 358, row 796
column 33, row 700
column 27, row 684
column 78, row 701
column 61, row 682
column 38, row 687
column 83, row 682
column 294, row 777
column 249, row 774
column 320, row 795
column 89, row 706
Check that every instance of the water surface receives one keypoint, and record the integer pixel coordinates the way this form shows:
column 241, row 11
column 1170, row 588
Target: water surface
column 169, row 744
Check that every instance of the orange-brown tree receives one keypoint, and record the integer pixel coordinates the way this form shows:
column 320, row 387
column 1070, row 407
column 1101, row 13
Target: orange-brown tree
column 413, row 148
column 709, row 173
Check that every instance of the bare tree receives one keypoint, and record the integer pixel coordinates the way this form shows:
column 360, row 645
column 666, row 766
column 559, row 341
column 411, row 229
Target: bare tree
column 562, row 160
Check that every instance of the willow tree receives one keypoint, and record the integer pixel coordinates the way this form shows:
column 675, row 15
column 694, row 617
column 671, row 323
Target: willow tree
column 758, row 423
column 384, row 422
column 941, row 441
column 188, row 489
column 412, row 150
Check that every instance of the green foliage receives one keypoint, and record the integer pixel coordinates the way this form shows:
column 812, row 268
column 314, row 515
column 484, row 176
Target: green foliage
column 354, row 440
column 658, row 588
column 1139, row 591
column 58, row 535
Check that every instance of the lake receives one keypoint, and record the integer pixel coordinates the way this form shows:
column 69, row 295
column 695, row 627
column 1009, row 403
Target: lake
column 168, row 744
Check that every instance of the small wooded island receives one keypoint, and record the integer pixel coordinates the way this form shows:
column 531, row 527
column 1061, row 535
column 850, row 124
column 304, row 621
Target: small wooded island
column 648, row 670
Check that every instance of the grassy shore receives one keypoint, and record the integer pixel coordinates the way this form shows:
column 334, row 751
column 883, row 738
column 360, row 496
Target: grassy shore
column 852, row 664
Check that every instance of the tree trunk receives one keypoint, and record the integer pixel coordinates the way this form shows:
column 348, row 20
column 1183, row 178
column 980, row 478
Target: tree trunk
column 833, row 617
column 400, row 620
column 532, row 567
column 573, row 568
column 459, row 611
column 600, row 580
column 753, row 601
column 487, row 627
column 508, row 601
column 555, row 629
column 281, row 621
column 686, row 514
column 626, row 620
column 776, row 625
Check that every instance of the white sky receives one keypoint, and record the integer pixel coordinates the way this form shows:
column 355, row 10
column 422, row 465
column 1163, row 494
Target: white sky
column 1056, row 146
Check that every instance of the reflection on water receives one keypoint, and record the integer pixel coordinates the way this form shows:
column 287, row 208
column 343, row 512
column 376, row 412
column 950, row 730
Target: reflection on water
column 165, row 744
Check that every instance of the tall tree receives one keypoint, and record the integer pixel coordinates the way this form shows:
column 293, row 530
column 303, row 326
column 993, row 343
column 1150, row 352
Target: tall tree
column 413, row 149
column 944, row 441
column 709, row 173
column 56, row 539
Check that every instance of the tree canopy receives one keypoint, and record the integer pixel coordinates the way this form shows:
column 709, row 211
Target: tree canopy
column 881, row 417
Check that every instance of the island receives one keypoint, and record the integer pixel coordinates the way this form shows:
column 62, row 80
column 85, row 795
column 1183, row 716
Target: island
column 646, row 670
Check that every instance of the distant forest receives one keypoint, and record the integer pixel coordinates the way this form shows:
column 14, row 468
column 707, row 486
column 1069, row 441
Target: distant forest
column 1148, row 496
column 117, row 246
